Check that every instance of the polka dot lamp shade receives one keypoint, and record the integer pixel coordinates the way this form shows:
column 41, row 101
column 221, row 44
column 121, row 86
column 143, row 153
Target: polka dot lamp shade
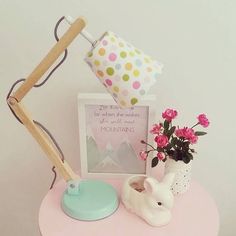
column 125, row 71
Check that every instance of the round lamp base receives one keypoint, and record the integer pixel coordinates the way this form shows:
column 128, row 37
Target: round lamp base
column 94, row 200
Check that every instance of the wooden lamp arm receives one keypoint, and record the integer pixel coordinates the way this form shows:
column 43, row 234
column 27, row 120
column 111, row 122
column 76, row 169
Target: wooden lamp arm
column 14, row 100
column 43, row 140
column 50, row 58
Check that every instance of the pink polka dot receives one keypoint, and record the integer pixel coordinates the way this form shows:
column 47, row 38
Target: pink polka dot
column 108, row 82
column 112, row 57
column 136, row 85
column 104, row 42
column 125, row 92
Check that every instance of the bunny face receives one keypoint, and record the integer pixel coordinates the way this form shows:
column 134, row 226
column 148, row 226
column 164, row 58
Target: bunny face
column 158, row 195
column 149, row 199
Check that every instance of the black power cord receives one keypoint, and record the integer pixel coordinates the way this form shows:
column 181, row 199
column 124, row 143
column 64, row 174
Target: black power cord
column 37, row 86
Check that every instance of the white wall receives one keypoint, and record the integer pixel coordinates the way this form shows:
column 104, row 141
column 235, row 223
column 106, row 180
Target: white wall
column 194, row 39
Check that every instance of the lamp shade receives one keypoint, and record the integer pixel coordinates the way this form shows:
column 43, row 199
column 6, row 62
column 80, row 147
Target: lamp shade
column 125, row 71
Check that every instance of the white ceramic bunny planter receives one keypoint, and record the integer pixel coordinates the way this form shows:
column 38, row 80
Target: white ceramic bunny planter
column 149, row 199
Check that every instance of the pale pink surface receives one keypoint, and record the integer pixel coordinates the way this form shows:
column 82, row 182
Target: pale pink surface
column 194, row 214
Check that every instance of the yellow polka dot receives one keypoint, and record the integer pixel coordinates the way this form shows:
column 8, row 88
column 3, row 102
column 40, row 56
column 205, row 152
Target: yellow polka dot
column 128, row 66
column 101, row 51
column 110, row 71
column 116, row 89
column 123, row 54
column 123, row 103
column 89, row 54
column 113, row 39
column 125, row 77
column 131, row 54
column 136, row 73
column 100, row 73
column 134, row 101
column 96, row 63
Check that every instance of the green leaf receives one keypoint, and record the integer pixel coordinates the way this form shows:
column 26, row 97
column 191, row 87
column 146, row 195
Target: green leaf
column 179, row 143
column 154, row 162
column 166, row 125
column 170, row 152
column 186, row 159
column 200, row 133
column 172, row 130
column 168, row 147
column 173, row 141
column 186, row 146
column 190, row 155
column 175, row 156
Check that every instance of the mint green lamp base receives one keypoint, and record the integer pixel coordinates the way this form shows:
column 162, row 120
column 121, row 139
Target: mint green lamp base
column 89, row 200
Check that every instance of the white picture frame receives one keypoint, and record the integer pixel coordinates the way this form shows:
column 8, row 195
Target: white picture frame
column 91, row 106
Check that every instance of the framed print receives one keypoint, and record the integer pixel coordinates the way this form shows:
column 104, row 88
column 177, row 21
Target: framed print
column 110, row 136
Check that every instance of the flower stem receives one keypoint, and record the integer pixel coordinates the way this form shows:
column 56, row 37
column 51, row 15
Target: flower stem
column 150, row 151
column 195, row 125
column 148, row 145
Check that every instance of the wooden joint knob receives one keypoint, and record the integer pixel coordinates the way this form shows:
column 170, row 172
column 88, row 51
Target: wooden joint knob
column 12, row 101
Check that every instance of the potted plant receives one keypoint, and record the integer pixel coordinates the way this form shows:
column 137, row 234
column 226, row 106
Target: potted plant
column 174, row 147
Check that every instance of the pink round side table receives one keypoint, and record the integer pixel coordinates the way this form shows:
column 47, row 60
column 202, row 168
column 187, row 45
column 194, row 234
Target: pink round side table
column 194, row 214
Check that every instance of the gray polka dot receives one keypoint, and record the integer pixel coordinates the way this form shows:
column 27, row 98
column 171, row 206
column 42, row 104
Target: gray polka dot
column 138, row 62
column 118, row 66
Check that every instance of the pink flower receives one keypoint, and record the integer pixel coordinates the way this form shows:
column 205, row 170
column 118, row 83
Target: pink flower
column 161, row 141
column 202, row 120
column 189, row 134
column 169, row 114
column 161, row 155
column 185, row 132
column 156, row 129
column 179, row 132
column 193, row 139
column 143, row 155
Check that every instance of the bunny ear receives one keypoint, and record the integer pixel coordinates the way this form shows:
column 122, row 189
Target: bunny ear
column 168, row 179
column 150, row 184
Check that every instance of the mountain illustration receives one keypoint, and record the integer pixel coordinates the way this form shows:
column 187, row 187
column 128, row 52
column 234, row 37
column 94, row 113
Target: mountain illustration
column 108, row 166
column 109, row 151
column 93, row 154
column 120, row 160
column 128, row 159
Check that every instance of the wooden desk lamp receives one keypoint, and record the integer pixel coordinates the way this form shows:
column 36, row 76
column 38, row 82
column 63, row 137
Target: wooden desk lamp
column 121, row 69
